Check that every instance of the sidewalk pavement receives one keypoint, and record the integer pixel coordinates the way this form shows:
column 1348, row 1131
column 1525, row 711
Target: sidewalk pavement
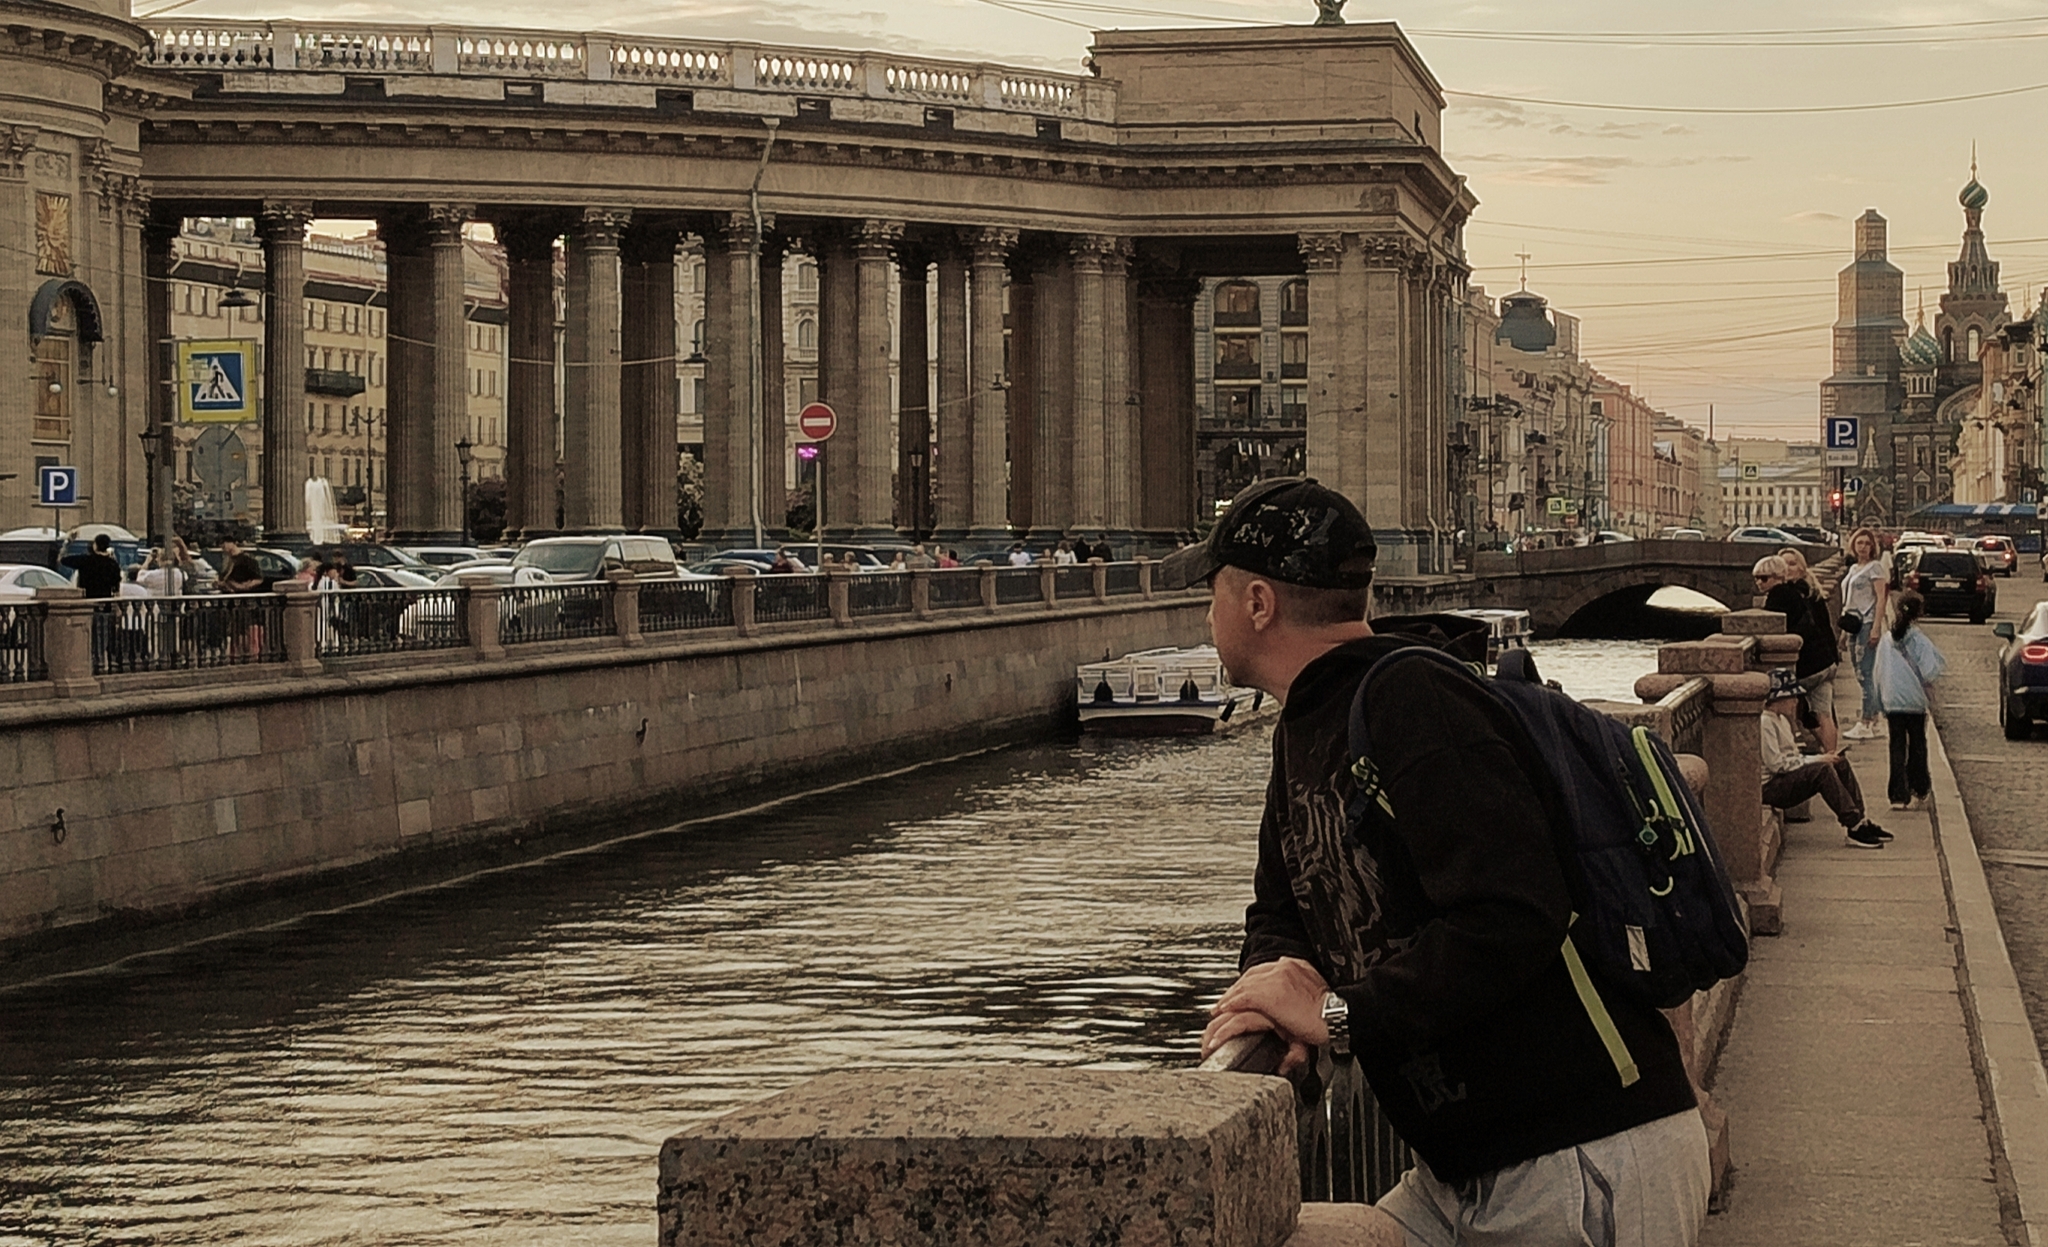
column 1854, row 1106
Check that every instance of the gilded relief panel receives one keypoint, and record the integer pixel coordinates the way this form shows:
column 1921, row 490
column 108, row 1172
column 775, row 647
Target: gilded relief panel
column 53, row 234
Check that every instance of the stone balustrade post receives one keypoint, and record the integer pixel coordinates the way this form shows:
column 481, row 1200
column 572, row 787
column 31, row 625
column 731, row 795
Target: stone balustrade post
column 1144, row 577
column 838, row 593
column 741, row 585
column 1049, row 582
column 301, row 629
column 67, row 642
column 921, row 592
column 988, row 584
column 1100, row 575
column 481, row 605
column 625, row 605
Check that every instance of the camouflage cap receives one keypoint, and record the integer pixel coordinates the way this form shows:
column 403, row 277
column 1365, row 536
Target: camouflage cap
column 1285, row 528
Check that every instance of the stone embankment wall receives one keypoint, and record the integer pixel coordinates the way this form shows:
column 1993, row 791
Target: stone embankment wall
column 177, row 799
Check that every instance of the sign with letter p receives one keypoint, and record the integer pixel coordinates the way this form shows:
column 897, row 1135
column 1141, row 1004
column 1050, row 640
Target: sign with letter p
column 57, row 486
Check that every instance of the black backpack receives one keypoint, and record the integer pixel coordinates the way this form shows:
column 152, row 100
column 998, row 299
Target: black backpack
column 1657, row 918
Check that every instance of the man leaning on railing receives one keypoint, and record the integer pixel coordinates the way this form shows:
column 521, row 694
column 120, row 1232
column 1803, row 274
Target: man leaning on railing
column 1441, row 927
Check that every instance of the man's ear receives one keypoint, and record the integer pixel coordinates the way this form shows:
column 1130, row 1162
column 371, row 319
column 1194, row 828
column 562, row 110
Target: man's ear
column 1262, row 604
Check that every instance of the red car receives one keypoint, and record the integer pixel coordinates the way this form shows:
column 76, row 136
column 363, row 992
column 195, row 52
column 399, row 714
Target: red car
column 1999, row 554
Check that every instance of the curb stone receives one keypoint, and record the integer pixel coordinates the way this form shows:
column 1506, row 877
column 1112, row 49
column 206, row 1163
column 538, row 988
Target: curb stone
column 2014, row 1085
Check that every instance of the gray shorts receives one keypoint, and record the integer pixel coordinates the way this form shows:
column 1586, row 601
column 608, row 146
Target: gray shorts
column 1820, row 692
column 1646, row 1186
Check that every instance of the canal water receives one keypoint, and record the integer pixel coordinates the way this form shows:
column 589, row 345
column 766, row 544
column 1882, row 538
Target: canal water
column 497, row 1061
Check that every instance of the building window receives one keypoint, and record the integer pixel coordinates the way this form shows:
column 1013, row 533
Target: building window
column 1294, row 303
column 1237, row 303
column 1237, row 356
column 807, row 334
column 806, row 391
column 54, row 383
column 1294, row 355
column 1294, row 405
column 697, row 340
column 807, row 278
column 1238, row 405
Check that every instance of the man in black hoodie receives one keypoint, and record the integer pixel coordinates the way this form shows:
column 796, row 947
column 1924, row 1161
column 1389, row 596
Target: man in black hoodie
column 1442, row 935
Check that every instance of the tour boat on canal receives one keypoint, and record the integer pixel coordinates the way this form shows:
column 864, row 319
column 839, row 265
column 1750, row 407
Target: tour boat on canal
column 1505, row 629
column 1164, row 692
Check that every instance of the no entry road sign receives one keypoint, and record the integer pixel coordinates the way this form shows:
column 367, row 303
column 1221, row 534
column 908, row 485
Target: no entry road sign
column 817, row 421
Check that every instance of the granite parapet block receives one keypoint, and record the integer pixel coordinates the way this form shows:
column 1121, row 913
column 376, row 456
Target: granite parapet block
column 994, row 1157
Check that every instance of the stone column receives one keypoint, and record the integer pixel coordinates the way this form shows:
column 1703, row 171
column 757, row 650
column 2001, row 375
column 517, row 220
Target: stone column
column 1021, row 402
column 954, row 512
column 774, row 432
column 988, row 434
column 1373, row 301
column 874, row 496
column 1120, row 410
column 1089, row 442
column 741, row 433
column 1327, row 391
column 283, row 226
column 838, row 377
column 647, row 378
column 1052, row 455
column 590, row 426
column 1166, row 387
column 409, row 433
column 530, row 450
column 913, row 397
column 451, row 364
column 161, row 361
column 718, row 418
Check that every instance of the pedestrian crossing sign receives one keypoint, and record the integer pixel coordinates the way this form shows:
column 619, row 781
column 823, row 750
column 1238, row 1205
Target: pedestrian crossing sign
column 215, row 382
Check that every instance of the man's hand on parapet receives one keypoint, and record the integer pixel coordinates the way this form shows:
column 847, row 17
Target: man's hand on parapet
column 1284, row 996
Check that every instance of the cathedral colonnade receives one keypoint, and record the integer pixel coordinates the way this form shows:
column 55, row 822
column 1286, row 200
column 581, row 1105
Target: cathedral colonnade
column 1007, row 266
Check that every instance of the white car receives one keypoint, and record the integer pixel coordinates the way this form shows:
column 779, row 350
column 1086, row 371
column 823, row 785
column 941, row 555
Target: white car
column 444, row 556
column 1772, row 536
column 19, row 581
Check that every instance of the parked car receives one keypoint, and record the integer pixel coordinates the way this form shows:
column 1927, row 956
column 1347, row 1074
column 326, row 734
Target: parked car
column 370, row 554
column 393, row 578
column 273, row 565
column 19, row 581
column 2004, row 556
column 1953, row 582
column 497, row 571
column 1808, row 534
column 444, row 556
column 1681, row 534
column 2023, row 673
column 1762, row 535
column 1606, row 535
column 589, row 558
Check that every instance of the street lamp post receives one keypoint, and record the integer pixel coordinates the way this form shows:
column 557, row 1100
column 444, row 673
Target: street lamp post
column 463, row 450
column 150, row 438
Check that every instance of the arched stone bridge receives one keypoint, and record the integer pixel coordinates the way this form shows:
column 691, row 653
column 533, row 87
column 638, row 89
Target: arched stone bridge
column 1555, row 586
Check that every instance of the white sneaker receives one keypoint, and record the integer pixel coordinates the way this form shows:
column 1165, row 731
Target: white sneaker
column 1859, row 731
column 1898, row 805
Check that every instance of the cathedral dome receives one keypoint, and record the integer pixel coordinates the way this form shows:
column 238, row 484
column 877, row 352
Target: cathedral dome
column 1523, row 324
column 1921, row 351
column 1974, row 196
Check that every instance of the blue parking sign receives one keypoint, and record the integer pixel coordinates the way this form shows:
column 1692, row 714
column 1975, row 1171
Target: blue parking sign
column 57, row 486
column 1842, row 432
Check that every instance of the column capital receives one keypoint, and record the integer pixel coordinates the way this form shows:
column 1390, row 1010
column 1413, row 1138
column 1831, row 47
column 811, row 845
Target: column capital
column 159, row 234
column 1090, row 251
column 1390, row 250
column 875, row 239
column 650, row 242
column 600, row 228
column 1321, row 251
column 735, row 230
column 529, row 236
column 444, row 223
column 992, row 245
column 284, row 220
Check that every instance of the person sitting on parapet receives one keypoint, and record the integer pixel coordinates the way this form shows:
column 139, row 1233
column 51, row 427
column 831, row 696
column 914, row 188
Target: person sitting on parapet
column 1791, row 776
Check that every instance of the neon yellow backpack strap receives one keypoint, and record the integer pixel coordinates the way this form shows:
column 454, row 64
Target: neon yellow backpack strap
column 1596, row 1010
column 1666, row 798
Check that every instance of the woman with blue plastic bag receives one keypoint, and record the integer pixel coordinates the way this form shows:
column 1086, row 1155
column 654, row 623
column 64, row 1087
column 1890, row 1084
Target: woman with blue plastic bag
column 1907, row 663
column 1864, row 589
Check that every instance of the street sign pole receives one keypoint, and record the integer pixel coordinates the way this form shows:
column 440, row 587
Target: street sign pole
column 818, row 422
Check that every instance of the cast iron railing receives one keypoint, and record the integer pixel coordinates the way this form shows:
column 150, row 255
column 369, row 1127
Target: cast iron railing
column 956, row 589
column 1017, row 584
column 1075, row 581
column 878, row 593
column 21, row 643
column 354, row 622
column 555, row 612
column 1121, row 579
column 785, row 598
column 677, row 605
column 185, row 633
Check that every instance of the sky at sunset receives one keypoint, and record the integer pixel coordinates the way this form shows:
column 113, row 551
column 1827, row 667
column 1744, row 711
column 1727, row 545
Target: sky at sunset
column 1699, row 248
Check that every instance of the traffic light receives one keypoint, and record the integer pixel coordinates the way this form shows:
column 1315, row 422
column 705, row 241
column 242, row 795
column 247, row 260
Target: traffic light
column 1835, row 501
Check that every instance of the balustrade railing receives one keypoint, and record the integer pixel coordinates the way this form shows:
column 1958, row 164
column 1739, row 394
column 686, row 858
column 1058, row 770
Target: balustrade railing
column 788, row 598
column 956, row 588
column 354, row 622
column 878, row 593
column 1121, row 579
column 22, row 658
column 1074, row 581
column 1017, row 584
column 678, row 605
column 219, row 45
column 555, row 612
column 186, row 633
column 1689, row 705
column 1350, row 1153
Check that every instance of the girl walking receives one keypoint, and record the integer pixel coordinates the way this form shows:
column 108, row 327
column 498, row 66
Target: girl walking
column 1864, row 590
column 1907, row 663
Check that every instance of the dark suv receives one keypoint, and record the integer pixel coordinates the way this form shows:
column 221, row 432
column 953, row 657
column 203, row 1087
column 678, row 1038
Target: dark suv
column 1954, row 583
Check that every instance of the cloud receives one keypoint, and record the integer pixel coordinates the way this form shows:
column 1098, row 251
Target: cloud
column 1489, row 114
column 1583, row 170
column 1814, row 215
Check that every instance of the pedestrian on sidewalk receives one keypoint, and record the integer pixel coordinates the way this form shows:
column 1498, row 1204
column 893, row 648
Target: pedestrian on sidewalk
column 1864, row 591
column 1791, row 776
column 1443, row 933
column 1787, row 590
column 1907, row 663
